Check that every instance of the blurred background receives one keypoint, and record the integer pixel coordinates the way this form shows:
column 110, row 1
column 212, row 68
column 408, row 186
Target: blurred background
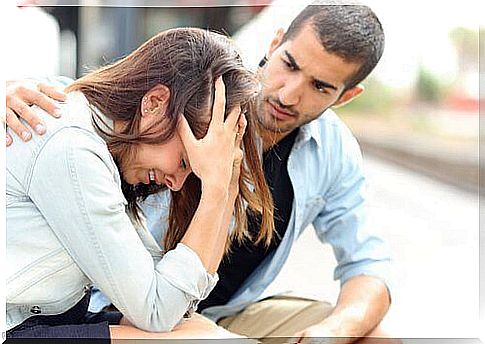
column 417, row 123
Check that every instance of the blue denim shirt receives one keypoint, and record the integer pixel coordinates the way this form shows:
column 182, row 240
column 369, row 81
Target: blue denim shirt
column 67, row 229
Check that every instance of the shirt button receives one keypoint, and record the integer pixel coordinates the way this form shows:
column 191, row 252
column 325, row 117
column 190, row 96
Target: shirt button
column 35, row 310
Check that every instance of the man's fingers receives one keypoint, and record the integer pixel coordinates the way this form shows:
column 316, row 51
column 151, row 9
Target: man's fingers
column 45, row 102
column 186, row 134
column 219, row 103
column 52, row 92
column 28, row 115
column 8, row 139
column 17, row 127
column 37, row 97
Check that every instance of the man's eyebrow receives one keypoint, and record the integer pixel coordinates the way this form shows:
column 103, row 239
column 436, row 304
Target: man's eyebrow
column 322, row 83
column 291, row 59
column 325, row 84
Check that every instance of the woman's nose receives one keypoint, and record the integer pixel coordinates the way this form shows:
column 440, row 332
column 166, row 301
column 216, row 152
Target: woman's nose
column 175, row 182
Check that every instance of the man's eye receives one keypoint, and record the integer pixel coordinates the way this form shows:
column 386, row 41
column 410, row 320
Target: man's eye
column 320, row 88
column 289, row 65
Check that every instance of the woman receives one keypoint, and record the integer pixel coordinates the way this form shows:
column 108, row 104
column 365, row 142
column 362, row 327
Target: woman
column 149, row 121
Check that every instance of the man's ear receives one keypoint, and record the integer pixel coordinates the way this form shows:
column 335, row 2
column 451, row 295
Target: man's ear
column 155, row 101
column 276, row 41
column 348, row 95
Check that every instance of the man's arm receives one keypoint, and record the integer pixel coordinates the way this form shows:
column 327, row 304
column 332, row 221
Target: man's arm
column 23, row 93
column 361, row 306
column 363, row 260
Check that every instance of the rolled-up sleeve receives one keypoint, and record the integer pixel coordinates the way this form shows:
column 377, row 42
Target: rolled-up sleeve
column 75, row 185
column 343, row 223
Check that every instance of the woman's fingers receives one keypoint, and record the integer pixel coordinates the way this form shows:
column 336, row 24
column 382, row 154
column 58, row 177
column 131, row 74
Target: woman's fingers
column 241, row 129
column 233, row 117
column 242, row 123
column 185, row 132
column 219, row 104
column 215, row 157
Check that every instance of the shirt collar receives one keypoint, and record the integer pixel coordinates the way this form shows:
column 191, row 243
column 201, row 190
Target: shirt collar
column 309, row 131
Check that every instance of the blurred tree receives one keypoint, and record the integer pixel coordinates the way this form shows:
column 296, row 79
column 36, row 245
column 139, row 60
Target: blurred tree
column 466, row 43
column 428, row 86
column 463, row 95
column 378, row 99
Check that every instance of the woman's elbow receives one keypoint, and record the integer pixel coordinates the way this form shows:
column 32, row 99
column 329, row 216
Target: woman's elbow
column 157, row 323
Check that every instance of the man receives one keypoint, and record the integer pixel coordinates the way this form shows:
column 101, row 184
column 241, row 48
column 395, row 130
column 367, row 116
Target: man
column 313, row 166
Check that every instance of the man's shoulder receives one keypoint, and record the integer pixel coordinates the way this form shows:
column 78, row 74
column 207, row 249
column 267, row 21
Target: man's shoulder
column 329, row 121
column 332, row 133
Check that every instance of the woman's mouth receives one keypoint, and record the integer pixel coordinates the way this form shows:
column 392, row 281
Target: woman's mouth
column 152, row 176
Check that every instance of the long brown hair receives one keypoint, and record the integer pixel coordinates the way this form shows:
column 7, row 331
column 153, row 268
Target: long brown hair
column 187, row 61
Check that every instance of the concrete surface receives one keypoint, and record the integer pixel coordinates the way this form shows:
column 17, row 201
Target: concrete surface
column 432, row 229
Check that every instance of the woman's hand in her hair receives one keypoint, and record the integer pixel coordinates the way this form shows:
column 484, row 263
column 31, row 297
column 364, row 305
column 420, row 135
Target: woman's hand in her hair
column 19, row 96
column 238, row 158
column 212, row 157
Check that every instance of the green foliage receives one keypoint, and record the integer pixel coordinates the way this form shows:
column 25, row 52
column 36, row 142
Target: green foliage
column 376, row 99
column 429, row 89
column 466, row 41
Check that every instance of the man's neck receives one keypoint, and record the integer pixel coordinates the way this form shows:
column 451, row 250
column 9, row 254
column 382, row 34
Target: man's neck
column 270, row 138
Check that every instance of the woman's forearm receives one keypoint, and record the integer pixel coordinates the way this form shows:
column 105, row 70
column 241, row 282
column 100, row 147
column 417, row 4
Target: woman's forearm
column 224, row 232
column 203, row 235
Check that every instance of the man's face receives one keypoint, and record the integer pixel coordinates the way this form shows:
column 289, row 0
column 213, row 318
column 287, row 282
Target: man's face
column 300, row 80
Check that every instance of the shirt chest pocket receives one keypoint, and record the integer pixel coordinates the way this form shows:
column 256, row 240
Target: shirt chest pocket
column 311, row 209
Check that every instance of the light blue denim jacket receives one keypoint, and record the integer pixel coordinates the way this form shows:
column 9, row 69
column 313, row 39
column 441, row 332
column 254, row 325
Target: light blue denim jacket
column 67, row 229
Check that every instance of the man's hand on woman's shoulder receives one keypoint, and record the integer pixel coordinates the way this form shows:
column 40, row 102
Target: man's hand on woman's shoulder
column 20, row 95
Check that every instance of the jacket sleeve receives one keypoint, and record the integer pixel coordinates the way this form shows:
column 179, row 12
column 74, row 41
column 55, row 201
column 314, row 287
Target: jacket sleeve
column 75, row 170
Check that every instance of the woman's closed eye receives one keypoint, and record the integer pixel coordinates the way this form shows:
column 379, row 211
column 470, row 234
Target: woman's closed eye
column 183, row 164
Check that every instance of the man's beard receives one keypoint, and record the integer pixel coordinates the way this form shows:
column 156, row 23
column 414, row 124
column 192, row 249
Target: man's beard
column 266, row 121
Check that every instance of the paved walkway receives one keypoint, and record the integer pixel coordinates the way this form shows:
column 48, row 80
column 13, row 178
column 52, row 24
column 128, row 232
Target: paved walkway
column 433, row 232
column 438, row 143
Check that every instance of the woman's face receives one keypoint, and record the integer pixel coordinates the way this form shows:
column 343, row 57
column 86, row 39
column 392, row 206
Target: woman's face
column 165, row 164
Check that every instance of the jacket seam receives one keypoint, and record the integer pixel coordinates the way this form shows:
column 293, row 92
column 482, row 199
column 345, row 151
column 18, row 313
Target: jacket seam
column 20, row 291
column 38, row 260
column 78, row 195
column 38, row 150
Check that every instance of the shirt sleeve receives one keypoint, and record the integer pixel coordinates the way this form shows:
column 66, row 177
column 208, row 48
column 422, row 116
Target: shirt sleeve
column 156, row 209
column 343, row 222
column 75, row 185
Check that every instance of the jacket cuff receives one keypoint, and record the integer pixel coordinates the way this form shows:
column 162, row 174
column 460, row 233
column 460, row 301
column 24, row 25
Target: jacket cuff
column 183, row 268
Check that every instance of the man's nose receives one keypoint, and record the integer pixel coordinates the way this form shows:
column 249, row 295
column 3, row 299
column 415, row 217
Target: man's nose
column 290, row 93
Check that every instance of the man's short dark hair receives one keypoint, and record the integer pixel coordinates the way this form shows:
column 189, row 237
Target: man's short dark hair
column 352, row 32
